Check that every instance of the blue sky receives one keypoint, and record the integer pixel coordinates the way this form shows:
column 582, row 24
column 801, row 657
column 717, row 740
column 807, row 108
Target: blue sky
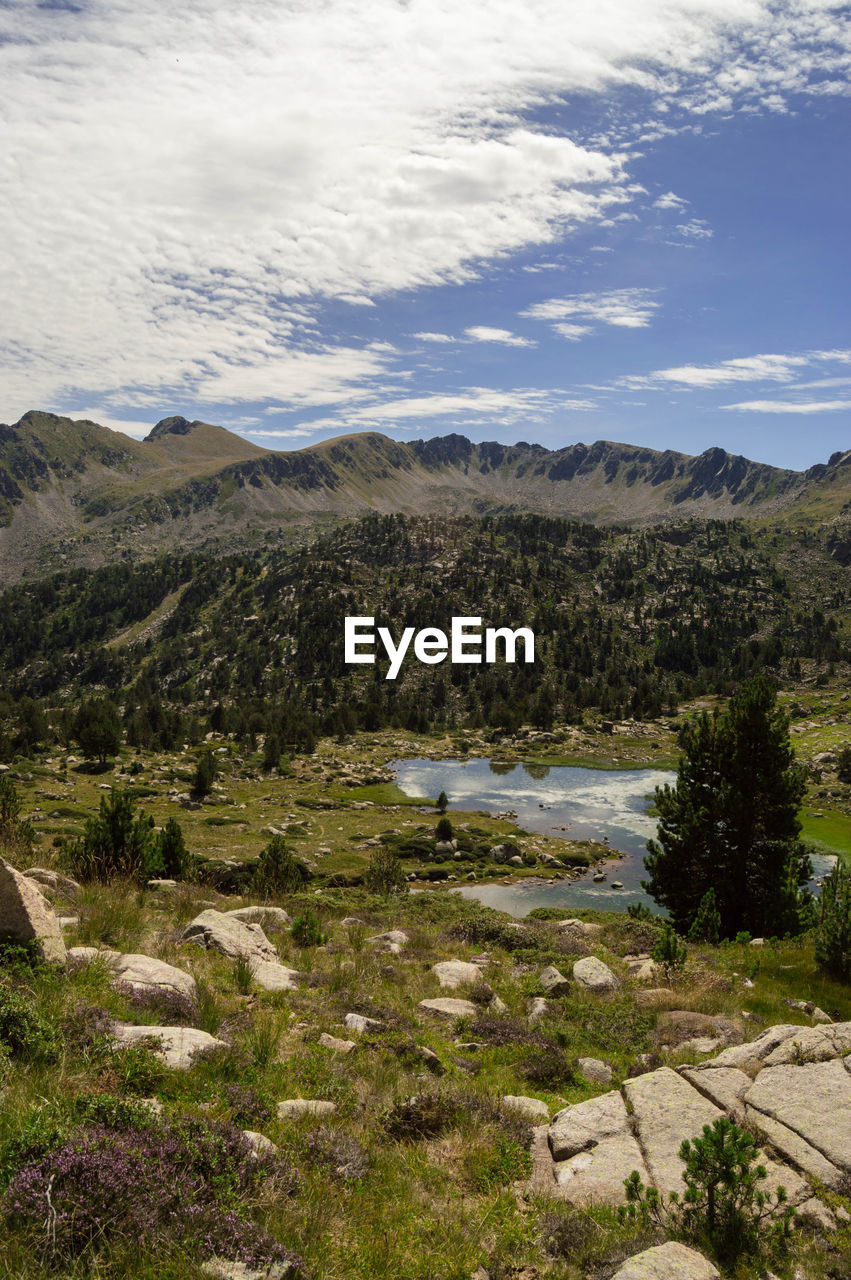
column 516, row 219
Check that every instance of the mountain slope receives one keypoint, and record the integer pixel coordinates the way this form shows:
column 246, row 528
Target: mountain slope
column 79, row 493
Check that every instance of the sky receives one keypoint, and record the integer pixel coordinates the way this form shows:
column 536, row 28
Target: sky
column 540, row 220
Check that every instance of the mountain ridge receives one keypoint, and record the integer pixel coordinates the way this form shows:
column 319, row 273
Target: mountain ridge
column 76, row 492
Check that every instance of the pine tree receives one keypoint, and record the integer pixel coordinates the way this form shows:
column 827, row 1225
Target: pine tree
column 730, row 824
column 706, row 926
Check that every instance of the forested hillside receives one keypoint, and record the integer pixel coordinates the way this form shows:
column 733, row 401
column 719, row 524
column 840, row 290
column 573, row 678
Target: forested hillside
column 628, row 623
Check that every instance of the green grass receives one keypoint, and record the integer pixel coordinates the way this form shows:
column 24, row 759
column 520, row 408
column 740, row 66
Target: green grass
column 385, row 793
column 828, row 830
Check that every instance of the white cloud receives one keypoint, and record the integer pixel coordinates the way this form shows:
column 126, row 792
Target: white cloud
column 696, row 229
column 434, row 337
column 622, row 308
column 183, row 185
column 761, row 368
column 670, row 201
column 483, row 333
column 789, row 406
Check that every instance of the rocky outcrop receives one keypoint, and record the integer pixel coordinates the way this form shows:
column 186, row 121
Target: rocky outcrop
column 791, row 1086
column 27, row 917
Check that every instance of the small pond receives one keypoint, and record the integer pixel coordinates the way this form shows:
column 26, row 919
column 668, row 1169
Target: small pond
column 564, row 802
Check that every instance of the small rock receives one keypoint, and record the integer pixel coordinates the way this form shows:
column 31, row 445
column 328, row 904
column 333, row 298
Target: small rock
column 272, row 976
column 530, row 1108
column 54, row 880
column 350, row 921
column 452, row 974
column 538, row 1008
column 446, row 1007
column 338, row 1046
column 593, row 975
column 295, row 1108
column 667, row 1262
column 177, row 1045
column 162, row 886
column 260, row 1144
column 553, row 981
column 261, row 915
column 144, row 973
column 595, row 1070
column 358, row 1022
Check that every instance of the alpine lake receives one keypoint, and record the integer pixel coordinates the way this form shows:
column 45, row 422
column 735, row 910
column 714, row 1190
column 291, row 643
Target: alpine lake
column 613, row 806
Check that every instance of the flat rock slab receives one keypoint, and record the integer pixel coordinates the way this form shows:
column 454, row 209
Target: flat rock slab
column 529, row 1108
column 593, row 975
column 813, row 1100
column 593, row 1150
column 671, row 1261
column 272, row 976
column 452, row 974
column 447, row 1007
column 295, row 1108
column 177, row 1045
column 27, row 917
column 725, row 1086
column 812, row 1044
column 144, row 973
column 666, row 1109
column 219, row 931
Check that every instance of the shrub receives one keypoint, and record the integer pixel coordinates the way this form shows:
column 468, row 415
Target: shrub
column 184, row 1183
column 278, row 871
column 443, row 830
column 706, row 926
column 548, row 1068
column 205, row 775
column 248, row 1108
column 833, row 931
column 724, row 1206
column 424, row 1116
column 843, row 764
column 442, row 802
column 16, row 837
column 669, row 951
column 384, row 874
column 23, row 1030
column 171, row 856
column 332, row 1149
column 307, row 931
column 115, row 842
column 169, row 1007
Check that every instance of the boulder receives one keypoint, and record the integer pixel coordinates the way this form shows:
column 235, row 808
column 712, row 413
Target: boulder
column 219, row 931
column 176, row 1045
column 261, row 915
column 144, row 973
column 260, row 1144
column 55, row 881
column 592, row 975
column 27, row 917
column 452, row 974
column 671, row 1261
column 553, row 981
column 446, row 1007
column 529, row 1108
column 296, row 1108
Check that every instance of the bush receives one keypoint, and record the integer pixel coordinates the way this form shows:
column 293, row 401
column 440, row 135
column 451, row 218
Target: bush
column 385, row 875
column 833, row 931
column 332, row 1149
column 114, row 843
column 307, row 931
column 16, row 838
column 182, row 1184
column 23, row 1030
column 549, row 1068
column 278, row 871
column 443, row 830
column 706, row 926
column 205, row 775
column 843, row 764
column 424, row 1116
column 669, row 951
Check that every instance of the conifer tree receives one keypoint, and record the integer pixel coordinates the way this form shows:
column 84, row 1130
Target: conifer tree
column 730, row 823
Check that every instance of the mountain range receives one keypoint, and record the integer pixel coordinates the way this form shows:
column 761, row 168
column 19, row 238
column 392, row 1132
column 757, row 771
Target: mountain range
column 77, row 493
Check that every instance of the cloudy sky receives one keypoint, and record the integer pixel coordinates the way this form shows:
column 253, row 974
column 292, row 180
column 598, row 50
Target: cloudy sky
column 550, row 220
